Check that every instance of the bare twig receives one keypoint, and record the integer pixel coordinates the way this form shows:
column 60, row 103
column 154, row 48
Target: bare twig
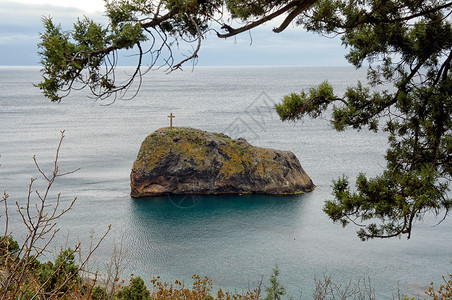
column 40, row 220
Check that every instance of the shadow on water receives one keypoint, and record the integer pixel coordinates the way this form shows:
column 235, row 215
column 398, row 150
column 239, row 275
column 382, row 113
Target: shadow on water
column 215, row 212
column 225, row 203
column 207, row 234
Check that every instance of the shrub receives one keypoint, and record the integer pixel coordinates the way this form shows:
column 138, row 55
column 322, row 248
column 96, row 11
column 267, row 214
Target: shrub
column 98, row 293
column 136, row 291
column 444, row 292
column 61, row 274
column 276, row 289
column 22, row 276
column 8, row 246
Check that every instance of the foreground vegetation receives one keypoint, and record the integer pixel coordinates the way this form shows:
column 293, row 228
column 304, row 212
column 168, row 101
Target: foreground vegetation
column 24, row 275
column 63, row 278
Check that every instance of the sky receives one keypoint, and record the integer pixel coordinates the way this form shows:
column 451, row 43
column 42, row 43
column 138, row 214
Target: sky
column 20, row 25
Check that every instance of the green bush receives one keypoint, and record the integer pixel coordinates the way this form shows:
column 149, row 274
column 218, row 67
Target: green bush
column 276, row 289
column 136, row 291
column 61, row 274
column 98, row 293
column 8, row 246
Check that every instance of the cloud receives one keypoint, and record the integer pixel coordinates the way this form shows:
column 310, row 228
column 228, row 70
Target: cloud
column 292, row 47
column 29, row 16
column 20, row 25
column 267, row 39
column 85, row 5
column 18, row 39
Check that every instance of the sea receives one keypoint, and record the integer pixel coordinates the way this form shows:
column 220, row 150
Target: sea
column 235, row 240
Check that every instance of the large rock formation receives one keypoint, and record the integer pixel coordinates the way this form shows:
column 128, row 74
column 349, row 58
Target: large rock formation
column 186, row 160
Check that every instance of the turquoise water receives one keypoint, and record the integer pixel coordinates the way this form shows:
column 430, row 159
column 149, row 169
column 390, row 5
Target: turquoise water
column 232, row 239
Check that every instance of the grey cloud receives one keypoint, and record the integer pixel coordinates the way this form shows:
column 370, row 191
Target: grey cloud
column 17, row 38
column 30, row 15
column 20, row 25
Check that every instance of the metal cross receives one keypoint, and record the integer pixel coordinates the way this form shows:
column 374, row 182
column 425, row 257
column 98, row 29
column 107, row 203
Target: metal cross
column 171, row 120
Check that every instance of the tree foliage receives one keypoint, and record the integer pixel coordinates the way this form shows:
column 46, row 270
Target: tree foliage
column 276, row 290
column 136, row 291
column 407, row 46
column 154, row 30
column 59, row 274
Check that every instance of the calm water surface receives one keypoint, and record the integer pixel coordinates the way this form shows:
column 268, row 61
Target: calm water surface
column 232, row 239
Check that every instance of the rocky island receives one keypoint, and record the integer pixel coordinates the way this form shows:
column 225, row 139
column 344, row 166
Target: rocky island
column 182, row 160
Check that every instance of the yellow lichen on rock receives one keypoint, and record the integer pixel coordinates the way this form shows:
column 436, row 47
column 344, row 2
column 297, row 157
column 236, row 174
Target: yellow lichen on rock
column 153, row 151
column 238, row 159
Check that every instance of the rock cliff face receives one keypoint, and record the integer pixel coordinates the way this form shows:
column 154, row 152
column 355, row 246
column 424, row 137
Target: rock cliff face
column 186, row 160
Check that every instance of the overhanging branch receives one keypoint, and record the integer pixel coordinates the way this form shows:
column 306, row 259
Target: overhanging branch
column 302, row 6
column 235, row 31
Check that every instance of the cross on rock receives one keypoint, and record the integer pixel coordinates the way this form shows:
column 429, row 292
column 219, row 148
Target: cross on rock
column 171, row 120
